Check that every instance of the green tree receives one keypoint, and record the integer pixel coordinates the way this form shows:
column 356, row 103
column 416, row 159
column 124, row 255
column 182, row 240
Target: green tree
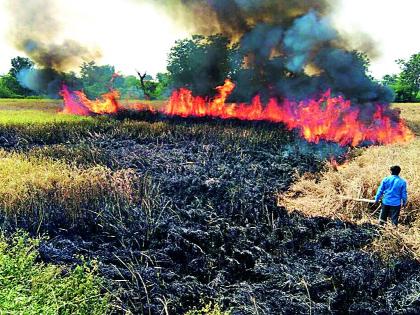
column 154, row 89
column 129, row 87
column 20, row 63
column 9, row 83
column 409, row 79
column 390, row 80
column 5, row 91
column 401, row 91
column 10, row 87
column 200, row 63
column 164, row 81
column 97, row 80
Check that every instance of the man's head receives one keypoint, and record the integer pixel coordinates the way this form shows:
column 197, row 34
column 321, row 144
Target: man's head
column 395, row 170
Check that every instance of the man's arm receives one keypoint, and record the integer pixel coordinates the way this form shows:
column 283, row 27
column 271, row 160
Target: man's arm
column 404, row 194
column 380, row 191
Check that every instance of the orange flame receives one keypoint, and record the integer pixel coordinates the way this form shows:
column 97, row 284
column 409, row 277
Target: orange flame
column 327, row 118
column 76, row 102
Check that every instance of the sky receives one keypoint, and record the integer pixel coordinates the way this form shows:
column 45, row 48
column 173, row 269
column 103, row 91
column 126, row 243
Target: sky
column 134, row 36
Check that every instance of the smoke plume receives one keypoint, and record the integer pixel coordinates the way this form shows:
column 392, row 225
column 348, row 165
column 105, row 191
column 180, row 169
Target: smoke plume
column 234, row 18
column 35, row 31
column 290, row 48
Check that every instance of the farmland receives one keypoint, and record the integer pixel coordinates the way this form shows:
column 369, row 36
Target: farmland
column 177, row 213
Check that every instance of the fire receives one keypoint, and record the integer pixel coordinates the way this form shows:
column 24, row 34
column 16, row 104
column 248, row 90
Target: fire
column 329, row 118
column 76, row 102
column 326, row 118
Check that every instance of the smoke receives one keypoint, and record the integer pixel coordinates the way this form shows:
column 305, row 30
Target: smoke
column 44, row 81
column 35, row 31
column 290, row 48
column 234, row 18
column 303, row 36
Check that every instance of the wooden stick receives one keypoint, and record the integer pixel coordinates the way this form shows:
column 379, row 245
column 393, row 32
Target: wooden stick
column 357, row 199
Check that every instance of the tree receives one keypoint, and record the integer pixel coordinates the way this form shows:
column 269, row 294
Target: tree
column 163, row 87
column 409, row 79
column 393, row 81
column 200, row 63
column 5, row 91
column 365, row 62
column 20, row 63
column 97, row 80
column 390, row 80
column 10, row 84
column 11, row 87
column 146, row 87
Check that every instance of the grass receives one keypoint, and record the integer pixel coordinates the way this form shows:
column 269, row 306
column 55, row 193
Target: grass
column 48, row 105
column 317, row 195
column 41, row 190
column 33, row 116
column 54, row 106
column 30, row 287
column 209, row 309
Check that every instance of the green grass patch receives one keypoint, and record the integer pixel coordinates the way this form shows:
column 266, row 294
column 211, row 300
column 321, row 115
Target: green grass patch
column 25, row 117
column 209, row 309
column 30, row 287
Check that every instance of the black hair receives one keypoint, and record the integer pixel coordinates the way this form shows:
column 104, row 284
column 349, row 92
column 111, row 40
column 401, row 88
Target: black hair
column 395, row 170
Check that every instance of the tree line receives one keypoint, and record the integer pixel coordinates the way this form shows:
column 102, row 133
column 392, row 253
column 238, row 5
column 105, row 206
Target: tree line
column 24, row 80
column 199, row 63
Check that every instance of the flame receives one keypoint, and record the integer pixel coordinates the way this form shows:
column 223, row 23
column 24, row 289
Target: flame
column 329, row 118
column 76, row 102
column 326, row 118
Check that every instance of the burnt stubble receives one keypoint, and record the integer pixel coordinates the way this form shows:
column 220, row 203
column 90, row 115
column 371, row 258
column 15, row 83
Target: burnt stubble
column 206, row 225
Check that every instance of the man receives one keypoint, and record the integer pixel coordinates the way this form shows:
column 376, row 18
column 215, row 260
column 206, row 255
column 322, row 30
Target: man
column 394, row 191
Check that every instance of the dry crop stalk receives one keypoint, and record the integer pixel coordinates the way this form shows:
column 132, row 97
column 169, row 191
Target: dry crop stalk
column 357, row 199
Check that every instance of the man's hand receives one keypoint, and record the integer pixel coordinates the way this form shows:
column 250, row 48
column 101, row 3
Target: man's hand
column 375, row 205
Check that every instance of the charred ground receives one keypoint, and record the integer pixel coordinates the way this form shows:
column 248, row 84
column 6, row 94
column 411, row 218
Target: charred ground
column 203, row 222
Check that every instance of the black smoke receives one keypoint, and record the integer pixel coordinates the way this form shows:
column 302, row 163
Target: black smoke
column 36, row 31
column 287, row 48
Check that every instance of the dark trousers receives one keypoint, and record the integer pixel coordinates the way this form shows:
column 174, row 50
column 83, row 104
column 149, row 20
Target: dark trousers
column 389, row 211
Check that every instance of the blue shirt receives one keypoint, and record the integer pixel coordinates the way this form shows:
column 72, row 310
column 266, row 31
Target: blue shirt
column 394, row 190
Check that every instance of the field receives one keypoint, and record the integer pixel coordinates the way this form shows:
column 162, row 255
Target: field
column 359, row 178
column 154, row 215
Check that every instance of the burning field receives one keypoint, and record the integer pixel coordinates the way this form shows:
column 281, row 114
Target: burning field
column 155, row 200
column 221, row 196
column 327, row 118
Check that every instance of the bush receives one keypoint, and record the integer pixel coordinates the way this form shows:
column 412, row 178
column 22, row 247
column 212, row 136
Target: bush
column 6, row 93
column 29, row 287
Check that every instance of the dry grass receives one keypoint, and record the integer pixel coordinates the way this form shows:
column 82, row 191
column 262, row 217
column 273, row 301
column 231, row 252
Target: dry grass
column 38, row 188
column 317, row 195
column 53, row 106
column 31, row 104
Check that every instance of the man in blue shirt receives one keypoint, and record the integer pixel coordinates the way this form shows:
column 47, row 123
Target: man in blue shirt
column 394, row 191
